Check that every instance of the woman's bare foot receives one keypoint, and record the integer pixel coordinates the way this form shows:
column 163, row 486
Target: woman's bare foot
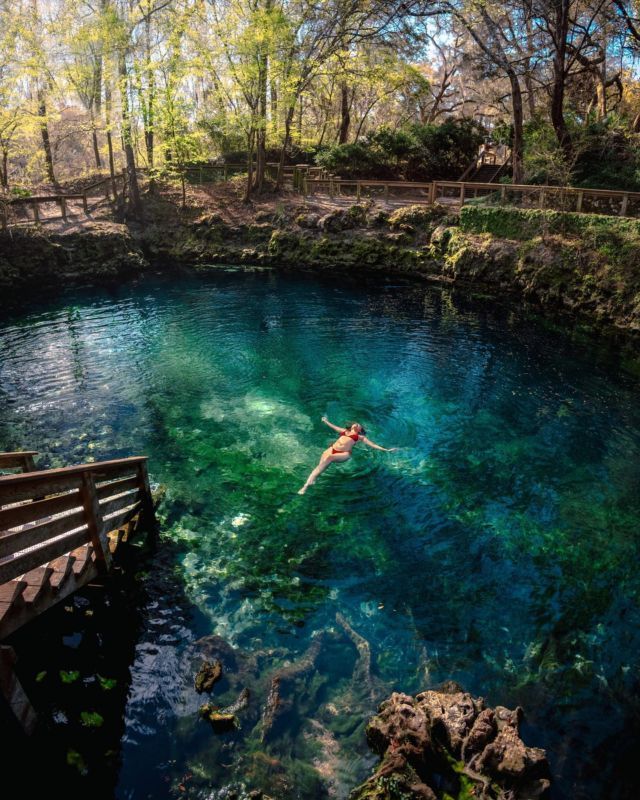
column 303, row 490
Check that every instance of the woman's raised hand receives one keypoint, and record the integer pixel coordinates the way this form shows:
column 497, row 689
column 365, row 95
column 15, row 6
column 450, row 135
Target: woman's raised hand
column 324, row 419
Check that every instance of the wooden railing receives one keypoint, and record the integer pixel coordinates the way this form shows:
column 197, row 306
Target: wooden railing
column 107, row 187
column 457, row 193
column 22, row 461
column 49, row 513
column 358, row 188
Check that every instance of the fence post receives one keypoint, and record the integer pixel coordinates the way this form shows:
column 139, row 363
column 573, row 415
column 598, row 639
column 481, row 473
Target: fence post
column 358, row 191
column 579, row 203
column 503, row 194
column 63, row 208
column 386, row 193
column 85, row 205
column 36, row 211
column 462, row 191
column 625, row 203
column 225, row 172
column 541, row 199
column 4, row 214
column 93, row 518
column 148, row 512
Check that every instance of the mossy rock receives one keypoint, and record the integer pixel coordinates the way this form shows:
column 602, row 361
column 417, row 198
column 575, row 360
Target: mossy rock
column 416, row 217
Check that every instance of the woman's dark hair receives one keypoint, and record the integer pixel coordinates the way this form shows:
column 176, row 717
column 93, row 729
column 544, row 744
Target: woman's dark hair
column 351, row 424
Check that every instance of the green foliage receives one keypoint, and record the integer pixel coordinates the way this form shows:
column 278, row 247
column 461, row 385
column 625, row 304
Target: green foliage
column 69, row 677
column 107, row 683
column 416, row 216
column 604, row 155
column 419, row 152
column 41, row 676
column 518, row 223
column 91, row 719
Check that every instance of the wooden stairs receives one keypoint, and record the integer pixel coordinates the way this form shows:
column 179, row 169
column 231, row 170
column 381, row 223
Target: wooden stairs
column 59, row 529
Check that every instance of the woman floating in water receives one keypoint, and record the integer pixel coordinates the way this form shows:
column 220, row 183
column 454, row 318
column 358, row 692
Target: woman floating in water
column 341, row 449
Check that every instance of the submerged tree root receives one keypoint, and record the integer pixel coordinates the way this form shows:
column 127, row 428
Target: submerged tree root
column 362, row 670
column 276, row 705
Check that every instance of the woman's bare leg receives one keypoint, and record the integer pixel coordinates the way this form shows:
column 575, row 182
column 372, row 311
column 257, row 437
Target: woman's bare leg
column 325, row 461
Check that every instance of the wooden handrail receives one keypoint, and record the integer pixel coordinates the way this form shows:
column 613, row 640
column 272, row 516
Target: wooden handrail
column 45, row 514
column 19, row 460
column 62, row 472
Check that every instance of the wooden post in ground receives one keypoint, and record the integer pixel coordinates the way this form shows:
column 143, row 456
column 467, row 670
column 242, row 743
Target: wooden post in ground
column 5, row 218
column 579, row 203
column 63, row 207
column 93, row 518
column 541, row 198
column 85, row 204
column 503, row 194
column 305, row 186
column 36, row 211
column 386, row 193
column 462, row 191
column 13, row 692
column 358, row 191
column 625, row 203
column 148, row 512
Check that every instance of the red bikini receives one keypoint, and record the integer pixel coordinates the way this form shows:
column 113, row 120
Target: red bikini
column 353, row 436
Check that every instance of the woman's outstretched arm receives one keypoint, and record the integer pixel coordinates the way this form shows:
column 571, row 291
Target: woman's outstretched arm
column 331, row 425
column 377, row 446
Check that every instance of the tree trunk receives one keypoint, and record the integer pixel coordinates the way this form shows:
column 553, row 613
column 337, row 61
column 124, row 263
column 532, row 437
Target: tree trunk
column 94, row 139
column 132, row 178
column 345, row 116
column 107, row 114
column 46, row 141
column 517, row 144
column 249, row 186
column 561, row 25
column 285, row 146
column 4, row 170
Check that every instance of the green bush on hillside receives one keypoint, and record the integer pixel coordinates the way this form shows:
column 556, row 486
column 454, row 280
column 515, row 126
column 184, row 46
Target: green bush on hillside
column 415, row 153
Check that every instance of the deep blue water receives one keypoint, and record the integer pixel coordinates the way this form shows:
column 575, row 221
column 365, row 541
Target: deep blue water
column 498, row 547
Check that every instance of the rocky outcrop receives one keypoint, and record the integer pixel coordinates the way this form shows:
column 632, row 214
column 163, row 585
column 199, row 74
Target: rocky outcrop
column 32, row 258
column 447, row 743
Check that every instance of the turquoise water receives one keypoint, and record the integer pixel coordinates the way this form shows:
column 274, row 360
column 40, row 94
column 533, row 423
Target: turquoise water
column 497, row 548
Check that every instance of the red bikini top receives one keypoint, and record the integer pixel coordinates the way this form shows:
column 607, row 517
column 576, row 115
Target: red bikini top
column 353, row 436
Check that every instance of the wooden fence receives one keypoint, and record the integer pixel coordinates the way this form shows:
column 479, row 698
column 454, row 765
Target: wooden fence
column 458, row 193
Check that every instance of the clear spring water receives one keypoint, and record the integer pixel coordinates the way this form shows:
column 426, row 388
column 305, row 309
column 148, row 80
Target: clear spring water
column 498, row 548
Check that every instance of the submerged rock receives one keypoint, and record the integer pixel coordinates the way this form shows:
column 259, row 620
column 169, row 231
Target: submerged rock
column 449, row 742
column 225, row 719
column 208, row 674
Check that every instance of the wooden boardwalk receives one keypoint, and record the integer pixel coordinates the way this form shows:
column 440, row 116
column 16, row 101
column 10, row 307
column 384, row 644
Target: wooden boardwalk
column 59, row 530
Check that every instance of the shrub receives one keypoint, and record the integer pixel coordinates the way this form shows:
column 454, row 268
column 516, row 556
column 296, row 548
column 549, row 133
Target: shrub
column 418, row 153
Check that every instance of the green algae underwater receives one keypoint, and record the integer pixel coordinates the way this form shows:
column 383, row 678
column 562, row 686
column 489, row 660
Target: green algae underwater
column 497, row 548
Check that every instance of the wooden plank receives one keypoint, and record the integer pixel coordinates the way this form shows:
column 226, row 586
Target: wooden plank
column 14, row 488
column 116, row 486
column 13, row 566
column 119, row 501
column 21, row 613
column 17, row 458
column 37, row 581
column 30, row 512
column 34, row 489
column 13, row 692
column 14, row 542
column 61, row 567
column 93, row 517
column 82, row 559
column 115, row 521
column 10, row 591
column 148, row 508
